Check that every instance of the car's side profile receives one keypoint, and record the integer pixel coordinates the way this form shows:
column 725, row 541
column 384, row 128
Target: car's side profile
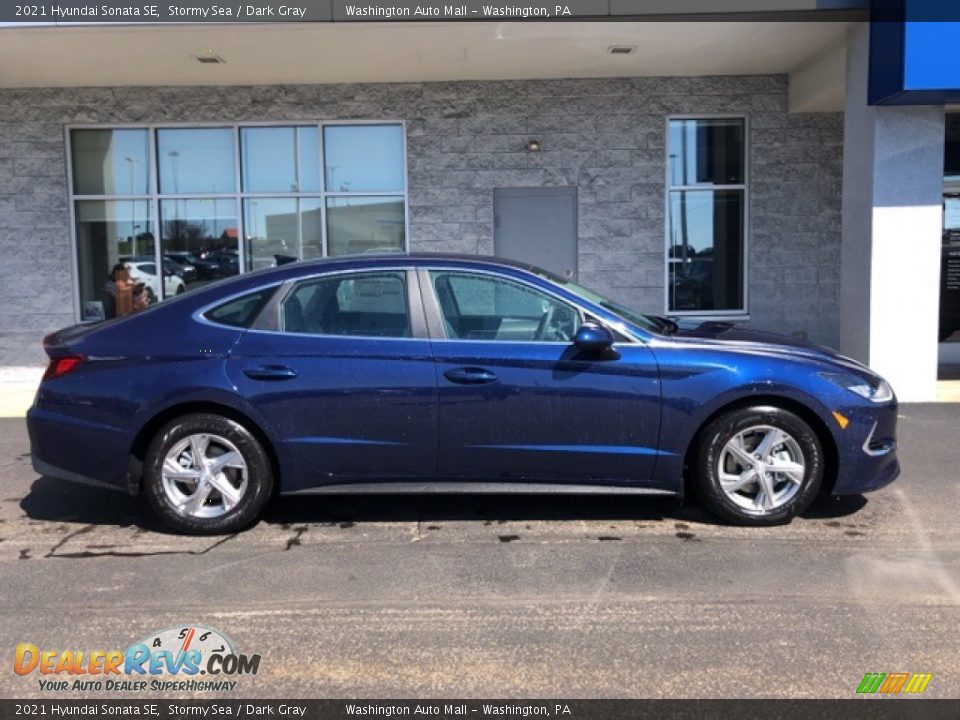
column 407, row 373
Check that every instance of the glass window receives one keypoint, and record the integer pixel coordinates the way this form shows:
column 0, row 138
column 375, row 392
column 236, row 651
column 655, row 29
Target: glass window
column 952, row 150
column 950, row 253
column 224, row 198
column 242, row 311
column 110, row 162
column 706, row 152
column 110, row 233
column 280, row 159
column 707, row 227
column 706, row 250
column 281, row 230
column 361, row 304
column 207, row 229
column 365, row 225
column 483, row 307
column 363, row 158
column 196, row 160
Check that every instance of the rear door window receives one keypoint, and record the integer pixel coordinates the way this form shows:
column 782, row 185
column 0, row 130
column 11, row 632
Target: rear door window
column 242, row 311
column 369, row 304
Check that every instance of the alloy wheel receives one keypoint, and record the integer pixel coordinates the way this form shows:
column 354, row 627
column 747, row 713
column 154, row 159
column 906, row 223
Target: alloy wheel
column 204, row 476
column 761, row 469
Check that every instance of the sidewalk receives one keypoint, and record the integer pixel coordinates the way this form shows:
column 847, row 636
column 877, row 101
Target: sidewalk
column 18, row 385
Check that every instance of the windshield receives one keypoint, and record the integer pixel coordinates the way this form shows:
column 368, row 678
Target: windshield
column 647, row 322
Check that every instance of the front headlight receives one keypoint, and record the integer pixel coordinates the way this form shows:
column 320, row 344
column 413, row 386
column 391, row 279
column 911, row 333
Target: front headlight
column 879, row 393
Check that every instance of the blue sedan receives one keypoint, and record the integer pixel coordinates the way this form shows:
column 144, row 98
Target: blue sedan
column 414, row 373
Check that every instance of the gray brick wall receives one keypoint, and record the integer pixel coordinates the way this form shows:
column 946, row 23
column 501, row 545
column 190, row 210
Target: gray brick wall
column 605, row 136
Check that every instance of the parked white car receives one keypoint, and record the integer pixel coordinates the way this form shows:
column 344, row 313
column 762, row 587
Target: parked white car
column 146, row 272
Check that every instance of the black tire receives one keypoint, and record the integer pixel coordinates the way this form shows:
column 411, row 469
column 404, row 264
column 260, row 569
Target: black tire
column 715, row 436
column 260, row 479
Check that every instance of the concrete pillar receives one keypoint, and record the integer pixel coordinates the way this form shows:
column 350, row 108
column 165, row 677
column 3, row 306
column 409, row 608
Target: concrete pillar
column 892, row 224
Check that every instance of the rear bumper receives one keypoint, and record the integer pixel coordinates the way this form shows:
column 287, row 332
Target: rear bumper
column 72, row 449
column 868, row 451
column 42, row 468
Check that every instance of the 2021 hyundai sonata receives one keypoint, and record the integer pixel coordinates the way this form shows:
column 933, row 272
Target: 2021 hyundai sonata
column 410, row 373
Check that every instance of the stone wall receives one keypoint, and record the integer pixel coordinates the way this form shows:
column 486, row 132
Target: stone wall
column 604, row 136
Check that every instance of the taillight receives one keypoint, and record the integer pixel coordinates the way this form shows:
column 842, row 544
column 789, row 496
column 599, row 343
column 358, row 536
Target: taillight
column 60, row 366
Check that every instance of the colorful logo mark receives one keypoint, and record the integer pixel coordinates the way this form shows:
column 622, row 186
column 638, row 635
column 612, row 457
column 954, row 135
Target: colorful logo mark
column 894, row 683
column 187, row 658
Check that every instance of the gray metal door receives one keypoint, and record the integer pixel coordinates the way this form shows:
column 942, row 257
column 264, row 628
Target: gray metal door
column 537, row 226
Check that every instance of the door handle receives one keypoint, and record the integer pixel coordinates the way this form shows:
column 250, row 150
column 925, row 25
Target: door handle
column 470, row 376
column 270, row 372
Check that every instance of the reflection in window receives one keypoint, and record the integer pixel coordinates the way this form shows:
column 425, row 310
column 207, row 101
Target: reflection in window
column 281, row 230
column 109, row 232
column 706, row 251
column 706, row 226
column 363, row 158
column 199, row 188
column 110, row 162
column 365, row 225
column 280, row 159
column 206, row 228
column 706, row 152
column 196, row 160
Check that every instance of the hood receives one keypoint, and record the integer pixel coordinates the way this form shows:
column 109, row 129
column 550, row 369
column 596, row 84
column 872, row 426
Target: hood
column 762, row 340
column 728, row 331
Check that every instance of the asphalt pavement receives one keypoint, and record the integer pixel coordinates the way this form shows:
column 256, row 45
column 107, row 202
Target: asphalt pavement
column 505, row 596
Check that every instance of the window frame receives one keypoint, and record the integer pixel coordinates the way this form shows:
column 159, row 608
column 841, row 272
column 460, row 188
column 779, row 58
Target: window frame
column 743, row 312
column 239, row 195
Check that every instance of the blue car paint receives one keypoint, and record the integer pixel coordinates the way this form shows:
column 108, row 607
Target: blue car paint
column 548, row 397
column 358, row 408
column 383, row 408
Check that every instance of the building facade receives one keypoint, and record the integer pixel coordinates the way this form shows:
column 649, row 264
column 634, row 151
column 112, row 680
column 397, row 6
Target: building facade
column 608, row 138
column 749, row 197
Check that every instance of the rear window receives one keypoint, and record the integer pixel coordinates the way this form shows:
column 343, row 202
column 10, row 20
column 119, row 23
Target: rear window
column 242, row 311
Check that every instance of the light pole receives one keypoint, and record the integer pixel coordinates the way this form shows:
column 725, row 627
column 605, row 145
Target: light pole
column 133, row 191
column 174, row 156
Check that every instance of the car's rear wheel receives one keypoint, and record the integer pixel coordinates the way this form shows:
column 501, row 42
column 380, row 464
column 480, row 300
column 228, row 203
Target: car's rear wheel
column 758, row 466
column 207, row 474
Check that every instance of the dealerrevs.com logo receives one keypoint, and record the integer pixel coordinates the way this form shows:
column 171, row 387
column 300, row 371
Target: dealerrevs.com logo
column 189, row 658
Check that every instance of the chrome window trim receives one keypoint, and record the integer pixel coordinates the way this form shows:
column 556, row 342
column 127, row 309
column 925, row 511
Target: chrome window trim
column 286, row 286
column 200, row 315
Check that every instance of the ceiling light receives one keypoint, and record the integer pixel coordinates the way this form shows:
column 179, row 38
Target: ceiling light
column 208, row 58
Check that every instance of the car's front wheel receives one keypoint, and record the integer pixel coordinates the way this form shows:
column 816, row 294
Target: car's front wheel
column 207, row 474
column 758, row 466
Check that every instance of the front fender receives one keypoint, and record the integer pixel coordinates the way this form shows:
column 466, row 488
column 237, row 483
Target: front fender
column 701, row 387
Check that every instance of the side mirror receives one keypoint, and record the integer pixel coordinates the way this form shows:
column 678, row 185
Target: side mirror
column 593, row 338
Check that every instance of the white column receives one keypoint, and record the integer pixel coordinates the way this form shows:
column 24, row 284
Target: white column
column 892, row 224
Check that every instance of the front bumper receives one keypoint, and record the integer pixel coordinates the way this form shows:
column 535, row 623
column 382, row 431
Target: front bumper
column 867, row 450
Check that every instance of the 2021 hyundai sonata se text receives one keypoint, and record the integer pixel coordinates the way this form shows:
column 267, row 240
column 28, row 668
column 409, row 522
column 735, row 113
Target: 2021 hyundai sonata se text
column 415, row 373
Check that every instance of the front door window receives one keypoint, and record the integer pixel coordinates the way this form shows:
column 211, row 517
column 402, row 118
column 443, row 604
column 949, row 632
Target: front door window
column 483, row 307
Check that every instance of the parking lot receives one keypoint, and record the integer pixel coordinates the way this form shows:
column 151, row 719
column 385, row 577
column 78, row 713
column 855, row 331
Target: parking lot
column 508, row 596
